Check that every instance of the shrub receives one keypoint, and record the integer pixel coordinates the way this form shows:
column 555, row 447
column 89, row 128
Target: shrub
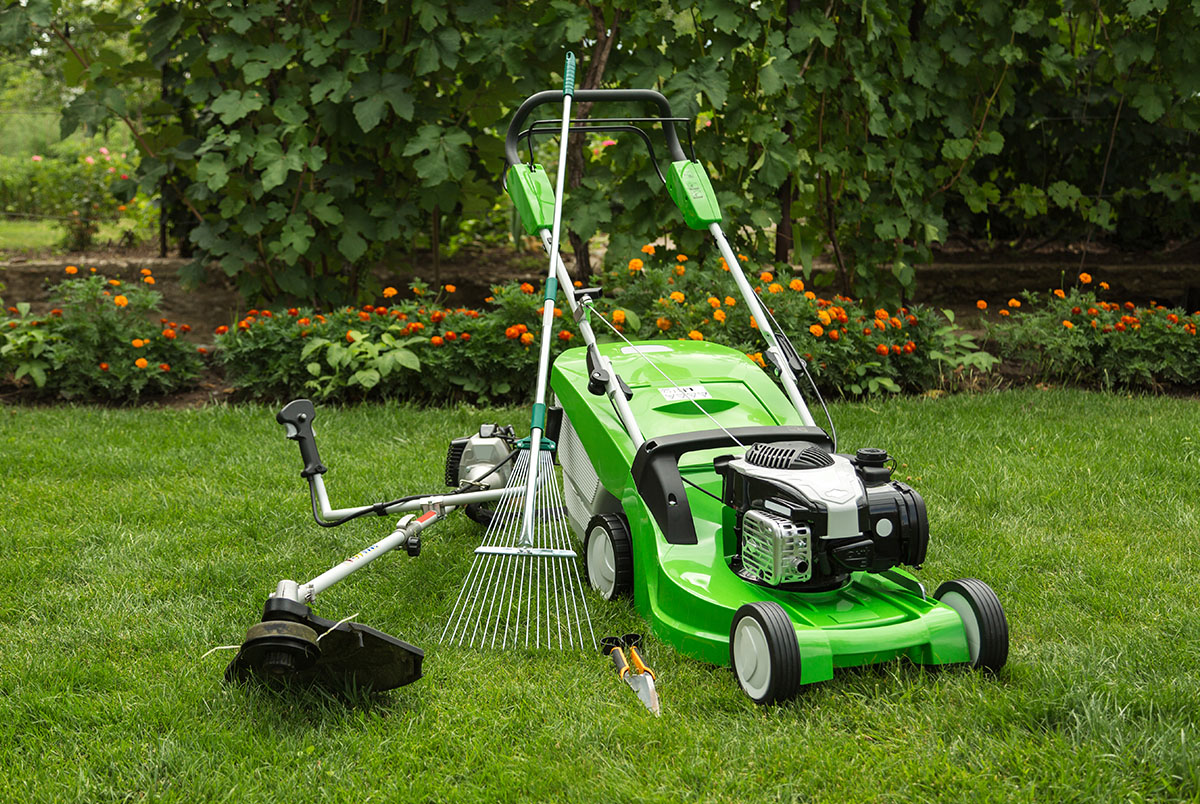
column 1078, row 335
column 102, row 340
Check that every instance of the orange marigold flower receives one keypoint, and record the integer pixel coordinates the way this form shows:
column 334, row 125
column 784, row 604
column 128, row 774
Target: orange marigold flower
column 116, row 283
column 141, row 362
column 724, row 265
column 1093, row 311
column 1068, row 325
column 363, row 315
column 677, row 297
column 149, row 280
column 12, row 324
column 648, row 249
column 808, row 294
column 201, row 350
column 466, row 336
column 93, row 270
column 221, row 330
column 681, row 257
column 896, row 349
column 565, row 335
column 450, row 335
column 714, row 302
column 104, row 367
column 824, row 317
column 1004, row 313
column 293, row 312
column 1085, row 279
column 436, row 340
column 817, row 330
column 1174, row 319
column 120, row 301
column 389, row 292
column 350, row 335
column 834, row 335
column 743, row 258
column 146, row 272
column 1104, row 286
column 909, row 348
column 451, row 288
column 756, row 357
column 1014, row 302
column 522, row 328
column 635, row 265
column 56, row 312
column 663, row 323
column 320, row 318
column 775, row 287
column 165, row 366
column 878, row 324
column 981, row 304
column 1076, row 310
column 1130, row 306
column 437, row 315
column 512, row 333
column 719, row 316
column 696, row 335
column 618, row 316
column 680, row 270
column 882, row 315
column 753, row 323
column 169, row 334
column 1059, row 293
column 796, row 285
column 71, row 270
column 730, row 301
column 526, row 287
column 896, row 323
column 526, row 338
column 767, row 276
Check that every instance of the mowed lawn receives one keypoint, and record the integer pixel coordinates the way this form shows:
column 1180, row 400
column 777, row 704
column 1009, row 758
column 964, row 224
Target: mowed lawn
column 133, row 541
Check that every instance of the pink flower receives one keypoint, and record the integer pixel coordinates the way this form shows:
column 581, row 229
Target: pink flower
column 103, row 150
column 607, row 143
column 124, row 175
column 112, row 170
column 36, row 158
column 89, row 160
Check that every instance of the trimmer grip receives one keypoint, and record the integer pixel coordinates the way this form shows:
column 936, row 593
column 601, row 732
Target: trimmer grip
column 297, row 417
column 618, row 658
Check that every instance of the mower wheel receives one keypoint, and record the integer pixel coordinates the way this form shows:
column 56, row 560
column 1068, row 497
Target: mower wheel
column 764, row 652
column 480, row 513
column 608, row 556
column 983, row 620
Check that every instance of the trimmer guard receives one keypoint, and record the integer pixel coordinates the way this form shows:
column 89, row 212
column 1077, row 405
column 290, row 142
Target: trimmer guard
column 349, row 654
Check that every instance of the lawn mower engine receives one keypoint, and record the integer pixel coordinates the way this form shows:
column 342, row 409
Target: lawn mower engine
column 806, row 519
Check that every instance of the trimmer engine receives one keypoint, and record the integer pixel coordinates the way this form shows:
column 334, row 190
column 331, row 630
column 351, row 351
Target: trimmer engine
column 805, row 518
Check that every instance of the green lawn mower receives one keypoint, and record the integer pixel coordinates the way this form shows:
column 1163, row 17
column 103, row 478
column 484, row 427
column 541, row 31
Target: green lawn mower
column 693, row 481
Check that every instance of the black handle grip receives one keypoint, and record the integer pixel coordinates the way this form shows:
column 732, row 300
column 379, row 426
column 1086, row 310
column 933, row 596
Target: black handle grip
column 618, row 658
column 513, row 155
column 297, row 417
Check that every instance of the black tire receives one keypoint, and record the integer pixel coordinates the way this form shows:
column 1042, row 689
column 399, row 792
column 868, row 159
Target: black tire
column 764, row 653
column 608, row 556
column 478, row 512
column 983, row 619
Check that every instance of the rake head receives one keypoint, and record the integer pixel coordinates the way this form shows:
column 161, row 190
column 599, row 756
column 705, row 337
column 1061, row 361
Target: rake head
column 524, row 592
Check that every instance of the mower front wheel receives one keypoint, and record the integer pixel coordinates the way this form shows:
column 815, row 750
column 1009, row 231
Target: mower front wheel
column 608, row 556
column 764, row 652
column 983, row 620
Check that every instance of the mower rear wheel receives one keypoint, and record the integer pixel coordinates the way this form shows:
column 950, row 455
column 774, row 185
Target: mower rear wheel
column 764, row 652
column 983, row 620
column 608, row 556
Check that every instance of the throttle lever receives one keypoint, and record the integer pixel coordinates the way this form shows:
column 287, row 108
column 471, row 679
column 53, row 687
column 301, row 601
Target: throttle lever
column 297, row 417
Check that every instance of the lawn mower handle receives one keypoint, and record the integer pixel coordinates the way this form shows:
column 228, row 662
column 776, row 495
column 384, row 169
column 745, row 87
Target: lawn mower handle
column 512, row 153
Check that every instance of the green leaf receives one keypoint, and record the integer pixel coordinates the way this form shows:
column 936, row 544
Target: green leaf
column 314, row 369
column 233, row 105
column 369, row 111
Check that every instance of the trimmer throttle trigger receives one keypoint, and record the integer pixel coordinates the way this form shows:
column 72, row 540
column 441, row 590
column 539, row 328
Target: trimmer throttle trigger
column 297, row 417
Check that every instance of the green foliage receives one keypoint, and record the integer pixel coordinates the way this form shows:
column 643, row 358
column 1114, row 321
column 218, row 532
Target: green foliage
column 100, row 341
column 1082, row 337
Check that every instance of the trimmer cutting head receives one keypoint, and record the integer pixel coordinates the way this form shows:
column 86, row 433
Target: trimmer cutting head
column 291, row 644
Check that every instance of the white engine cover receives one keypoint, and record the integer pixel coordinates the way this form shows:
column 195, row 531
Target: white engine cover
column 837, row 487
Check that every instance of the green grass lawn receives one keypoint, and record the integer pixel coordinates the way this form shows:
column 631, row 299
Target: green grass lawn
column 44, row 235
column 136, row 540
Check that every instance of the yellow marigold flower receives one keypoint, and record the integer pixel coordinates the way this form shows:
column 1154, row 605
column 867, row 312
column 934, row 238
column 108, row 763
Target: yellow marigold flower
column 1068, row 325
column 663, row 323
column 1014, row 302
column 680, row 270
column 1104, row 286
column 681, row 257
column 635, row 264
column 824, row 317
column 719, row 316
column 1058, row 292
column 1004, row 313
column 648, row 249
column 817, row 330
column 71, row 270
column 526, row 338
column 775, row 287
column 756, row 357
column 696, row 335
column 981, row 304
column 389, row 292
column 1085, row 279
column 796, row 285
column 618, row 316
column 714, row 302
column 730, row 301
column 677, row 297
column 141, row 362
column 120, row 301
column 808, row 294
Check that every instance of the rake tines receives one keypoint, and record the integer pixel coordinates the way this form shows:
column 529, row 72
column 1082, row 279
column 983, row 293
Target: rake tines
column 524, row 595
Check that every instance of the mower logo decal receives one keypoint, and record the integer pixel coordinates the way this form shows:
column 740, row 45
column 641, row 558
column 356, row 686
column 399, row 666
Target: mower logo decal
column 685, row 392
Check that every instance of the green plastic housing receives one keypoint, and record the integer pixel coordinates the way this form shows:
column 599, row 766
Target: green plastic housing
column 692, row 192
column 689, row 592
column 529, row 187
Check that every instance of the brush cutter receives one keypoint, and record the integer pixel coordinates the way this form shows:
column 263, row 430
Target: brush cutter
column 707, row 492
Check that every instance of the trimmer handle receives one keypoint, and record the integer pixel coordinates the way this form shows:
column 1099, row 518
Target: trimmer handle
column 297, row 417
